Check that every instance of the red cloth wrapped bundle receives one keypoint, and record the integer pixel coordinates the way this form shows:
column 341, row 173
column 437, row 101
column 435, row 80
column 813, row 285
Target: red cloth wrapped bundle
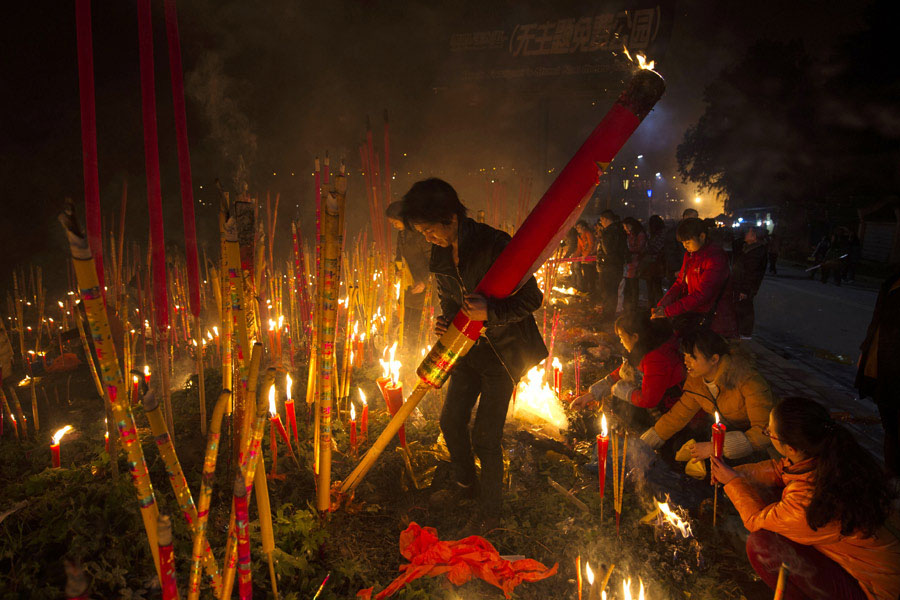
column 460, row 561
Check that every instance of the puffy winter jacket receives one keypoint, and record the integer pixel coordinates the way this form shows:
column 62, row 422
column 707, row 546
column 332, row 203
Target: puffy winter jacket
column 699, row 282
column 662, row 372
column 744, row 401
column 874, row 561
column 510, row 327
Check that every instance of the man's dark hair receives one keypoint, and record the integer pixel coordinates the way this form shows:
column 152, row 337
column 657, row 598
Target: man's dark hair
column 394, row 210
column 690, row 229
column 689, row 213
column 431, row 201
column 608, row 214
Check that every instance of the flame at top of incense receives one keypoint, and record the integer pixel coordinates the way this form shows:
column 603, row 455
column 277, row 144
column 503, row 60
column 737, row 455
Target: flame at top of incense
column 641, row 60
column 362, row 396
column 272, row 410
column 588, row 573
column 60, row 433
column 604, row 426
column 352, row 412
column 288, row 383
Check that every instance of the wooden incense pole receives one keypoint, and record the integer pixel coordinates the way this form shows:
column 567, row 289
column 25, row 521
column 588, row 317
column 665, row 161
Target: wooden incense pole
column 332, row 230
column 95, row 306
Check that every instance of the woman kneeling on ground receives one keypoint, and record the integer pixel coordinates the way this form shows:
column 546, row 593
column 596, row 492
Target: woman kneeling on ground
column 828, row 527
column 719, row 380
column 652, row 371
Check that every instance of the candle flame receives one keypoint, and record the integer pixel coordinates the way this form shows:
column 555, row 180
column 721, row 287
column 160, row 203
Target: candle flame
column 362, row 397
column 146, row 371
column 588, row 573
column 356, row 328
column 604, row 426
column 391, row 367
column 352, row 412
column 626, row 589
column 135, row 379
column 288, row 383
column 60, row 433
column 717, row 418
column 674, row 520
column 272, row 410
column 280, row 321
column 60, row 303
column 397, row 290
column 271, row 325
column 603, row 595
column 556, row 364
column 216, row 331
column 209, row 335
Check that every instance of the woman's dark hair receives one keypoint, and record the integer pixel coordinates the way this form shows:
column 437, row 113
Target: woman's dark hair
column 431, row 201
column 633, row 225
column 850, row 484
column 656, row 225
column 582, row 223
column 394, row 210
column 705, row 341
column 690, row 229
column 652, row 333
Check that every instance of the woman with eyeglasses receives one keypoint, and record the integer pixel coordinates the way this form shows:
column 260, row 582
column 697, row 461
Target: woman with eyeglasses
column 719, row 380
column 827, row 527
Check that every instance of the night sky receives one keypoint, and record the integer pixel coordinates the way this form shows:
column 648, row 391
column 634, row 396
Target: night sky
column 280, row 82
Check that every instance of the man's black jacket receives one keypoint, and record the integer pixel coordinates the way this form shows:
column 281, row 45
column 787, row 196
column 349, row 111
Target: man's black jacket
column 511, row 330
column 749, row 267
column 612, row 248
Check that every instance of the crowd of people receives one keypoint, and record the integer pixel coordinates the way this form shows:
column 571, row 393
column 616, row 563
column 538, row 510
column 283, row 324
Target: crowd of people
column 809, row 495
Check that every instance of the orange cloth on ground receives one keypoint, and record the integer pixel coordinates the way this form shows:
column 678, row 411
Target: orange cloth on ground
column 460, row 560
column 874, row 561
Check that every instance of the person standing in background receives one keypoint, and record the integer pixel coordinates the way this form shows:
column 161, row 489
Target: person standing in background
column 587, row 273
column 653, row 265
column 636, row 241
column 413, row 253
column 748, row 269
column 610, row 262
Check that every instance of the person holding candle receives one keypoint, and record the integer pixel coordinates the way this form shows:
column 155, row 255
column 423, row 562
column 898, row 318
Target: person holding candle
column 827, row 527
column 719, row 379
column 462, row 252
column 651, row 374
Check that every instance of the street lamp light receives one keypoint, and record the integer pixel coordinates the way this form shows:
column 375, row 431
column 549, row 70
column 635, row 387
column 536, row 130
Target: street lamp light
column 697, row 200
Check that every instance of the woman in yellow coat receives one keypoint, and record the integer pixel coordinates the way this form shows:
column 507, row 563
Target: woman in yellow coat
column 719, row 380
column 827, row 527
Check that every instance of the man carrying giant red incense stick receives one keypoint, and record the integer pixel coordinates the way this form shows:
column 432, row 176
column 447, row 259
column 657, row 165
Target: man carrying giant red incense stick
column 462, row 252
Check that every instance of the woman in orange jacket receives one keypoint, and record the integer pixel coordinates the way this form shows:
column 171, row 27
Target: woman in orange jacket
column 828, row 525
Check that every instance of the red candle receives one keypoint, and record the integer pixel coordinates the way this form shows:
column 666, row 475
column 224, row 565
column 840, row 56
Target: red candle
column 271, row 335
column 54, row 445
column 146, row 374
column 557, row 377
column 278, row 336
column 361, row 348
column 273, row 446
column 393, row 398
column 292, row 418
column 718, row 437
column 106, row 436
column 364, row 419
column 602, row 452
column 54, row 453
column 352, row 428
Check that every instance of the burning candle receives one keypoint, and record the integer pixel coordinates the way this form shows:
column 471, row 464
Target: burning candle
column 106, row 436
column 54, row 445
column 602, row 452
column 135, row 381
column 364, row 418
column 352, row 428
column 218, row 341
column 592, row 587
column 289, row 408
column 147, row 374
column 275, row 418
column 271, row 335
column 718, row 437
column 391, row 389
column 557, row 376
column 361, row 347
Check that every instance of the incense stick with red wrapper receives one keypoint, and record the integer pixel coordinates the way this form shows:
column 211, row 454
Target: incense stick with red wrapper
column 535, row 241
column 718, row 442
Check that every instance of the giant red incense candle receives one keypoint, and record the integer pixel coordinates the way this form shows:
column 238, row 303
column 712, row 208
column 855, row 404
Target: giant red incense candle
column 151, row 162
column 602, row 453
column 89, row 132
column 184, row 158
column 166, row 558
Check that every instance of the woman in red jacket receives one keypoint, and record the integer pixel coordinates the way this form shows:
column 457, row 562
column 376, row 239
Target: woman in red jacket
column 827, row 527
column 701, row 294
column 652, row 372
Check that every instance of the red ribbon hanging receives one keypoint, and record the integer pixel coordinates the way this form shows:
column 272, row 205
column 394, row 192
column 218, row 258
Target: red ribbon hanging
column 151, row 161
column 89, row 132
column 184, row 158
